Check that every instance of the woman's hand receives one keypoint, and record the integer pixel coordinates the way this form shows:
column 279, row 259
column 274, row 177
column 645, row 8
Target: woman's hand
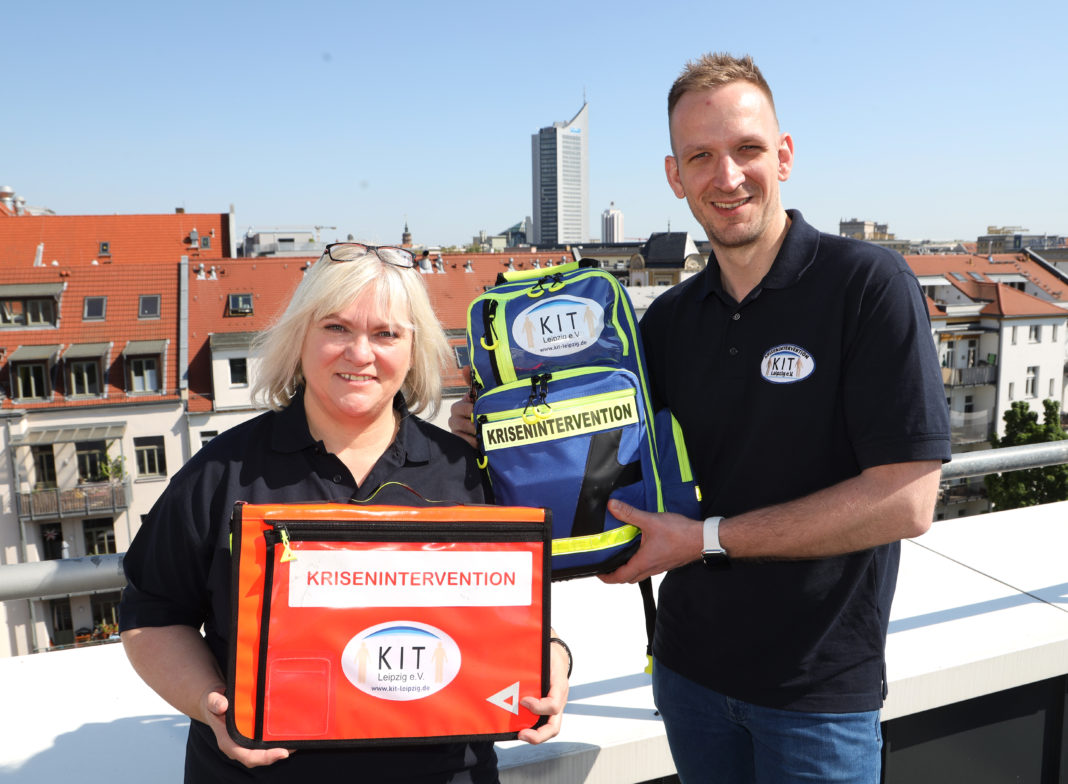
column 213, row 713
column 552, row 704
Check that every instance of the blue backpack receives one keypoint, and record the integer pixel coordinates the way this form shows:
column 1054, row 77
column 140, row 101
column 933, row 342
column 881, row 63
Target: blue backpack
column 562, row 412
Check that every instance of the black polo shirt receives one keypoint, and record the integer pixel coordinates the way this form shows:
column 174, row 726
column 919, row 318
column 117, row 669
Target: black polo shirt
column 826, row 368
column 178, row 566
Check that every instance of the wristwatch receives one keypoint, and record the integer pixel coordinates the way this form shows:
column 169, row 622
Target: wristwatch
column 713, row 554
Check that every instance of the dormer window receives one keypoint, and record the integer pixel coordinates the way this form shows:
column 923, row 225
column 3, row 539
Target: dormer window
column 205, row 242
column 240, row 305
column 28, row 312
column 144, row 366
column 105, row 249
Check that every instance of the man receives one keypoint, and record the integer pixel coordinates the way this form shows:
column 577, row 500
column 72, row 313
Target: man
column 801, row 368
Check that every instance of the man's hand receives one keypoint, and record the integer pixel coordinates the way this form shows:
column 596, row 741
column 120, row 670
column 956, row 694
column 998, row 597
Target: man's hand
column 460, row 421
column 668, row 540
column 213, row 713
column 552, row 704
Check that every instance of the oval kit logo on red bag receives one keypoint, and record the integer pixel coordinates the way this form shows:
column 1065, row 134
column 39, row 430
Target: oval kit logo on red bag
column 401, row 660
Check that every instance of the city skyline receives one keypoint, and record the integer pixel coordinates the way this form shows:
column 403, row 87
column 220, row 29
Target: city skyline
column 924, row 119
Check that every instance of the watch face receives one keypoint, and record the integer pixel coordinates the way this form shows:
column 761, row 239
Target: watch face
column 716, row 559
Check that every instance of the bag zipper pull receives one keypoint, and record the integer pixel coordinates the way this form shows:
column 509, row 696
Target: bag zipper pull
column 287, row 553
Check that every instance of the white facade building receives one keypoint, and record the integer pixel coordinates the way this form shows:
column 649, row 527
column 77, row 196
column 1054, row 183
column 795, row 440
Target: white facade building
column 560, row 173
column 612, row 224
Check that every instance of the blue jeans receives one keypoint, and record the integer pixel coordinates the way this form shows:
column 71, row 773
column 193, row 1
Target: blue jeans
column 714, row 738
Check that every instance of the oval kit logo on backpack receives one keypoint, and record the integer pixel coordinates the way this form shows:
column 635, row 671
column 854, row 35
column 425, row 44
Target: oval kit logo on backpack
column 786, row 364
column 558, row 326
column 401, row 660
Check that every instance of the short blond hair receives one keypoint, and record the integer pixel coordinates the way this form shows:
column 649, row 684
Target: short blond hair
column 716, row 69
column 330, row 287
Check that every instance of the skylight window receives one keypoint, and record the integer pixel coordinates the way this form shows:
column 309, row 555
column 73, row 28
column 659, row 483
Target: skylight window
column 149, row 306
column 94, row 308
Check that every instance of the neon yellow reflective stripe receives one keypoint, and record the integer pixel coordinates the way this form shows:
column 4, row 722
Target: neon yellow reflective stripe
column 586, row 544
column 680, row 447
column 590, row 415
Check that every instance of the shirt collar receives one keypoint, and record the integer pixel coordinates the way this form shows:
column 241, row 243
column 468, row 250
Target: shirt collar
column 291, row 433
column 795, row 256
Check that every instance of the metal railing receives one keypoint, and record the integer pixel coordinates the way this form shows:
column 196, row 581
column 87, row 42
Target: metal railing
column 82, row 501
column 970, row 377
column 104, row 572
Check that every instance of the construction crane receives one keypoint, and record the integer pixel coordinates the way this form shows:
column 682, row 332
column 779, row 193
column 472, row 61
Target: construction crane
column 317, row 228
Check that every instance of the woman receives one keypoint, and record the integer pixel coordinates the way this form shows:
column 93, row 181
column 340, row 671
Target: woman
column 357, row 352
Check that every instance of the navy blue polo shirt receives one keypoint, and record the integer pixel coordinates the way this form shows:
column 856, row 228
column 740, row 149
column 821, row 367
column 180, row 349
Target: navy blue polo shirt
column 178, row 565
column 826, row 368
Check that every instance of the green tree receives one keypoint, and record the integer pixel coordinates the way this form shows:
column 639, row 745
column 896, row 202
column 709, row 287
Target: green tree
column 1031, row 486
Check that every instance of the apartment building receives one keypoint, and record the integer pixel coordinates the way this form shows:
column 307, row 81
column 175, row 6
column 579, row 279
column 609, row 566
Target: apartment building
column 999, row 323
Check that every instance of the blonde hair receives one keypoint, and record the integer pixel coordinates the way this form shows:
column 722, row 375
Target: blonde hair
column 716, row 69
column 330, row 287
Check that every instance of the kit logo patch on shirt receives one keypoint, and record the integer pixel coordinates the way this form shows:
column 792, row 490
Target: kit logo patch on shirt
column 786, row 364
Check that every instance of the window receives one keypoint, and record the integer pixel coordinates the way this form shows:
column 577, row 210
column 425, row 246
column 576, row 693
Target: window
column 92, row 460
column 1031, row 384
column 31, row 379
column 206, row 436
column 105, row 249
column 240, row 304
column 94, row 308
column 1034, row 334
column 27, row 312
column 148, row 307
column 947, row 357
column 84, row 377
column 969, row 404
column 62, row 622
column 1013, row 340
column 151, row 460
column 51, row 541
column 463, row 356
column 44, row 466
column 238, row 372
column 1012, row 390
column 205, row 242
column 1054, row 333
column 99, row 536
column 144, row 374
column 105, row 609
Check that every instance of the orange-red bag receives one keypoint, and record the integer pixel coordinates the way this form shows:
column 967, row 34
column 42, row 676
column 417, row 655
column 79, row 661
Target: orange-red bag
column 374, row 625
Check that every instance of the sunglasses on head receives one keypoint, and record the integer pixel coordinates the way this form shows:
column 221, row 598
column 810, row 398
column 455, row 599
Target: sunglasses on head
column 355, row 251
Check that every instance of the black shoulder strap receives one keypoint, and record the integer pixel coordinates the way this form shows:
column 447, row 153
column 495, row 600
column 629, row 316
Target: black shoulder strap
column 649, row 602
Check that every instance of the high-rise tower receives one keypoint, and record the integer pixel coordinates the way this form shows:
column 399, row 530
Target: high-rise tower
column 612, row 224
column 561, row 178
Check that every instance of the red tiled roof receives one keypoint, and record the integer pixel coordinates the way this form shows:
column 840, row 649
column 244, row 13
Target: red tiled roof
column 210, row 282
column 1004, row 300
column 122, row 285
column 75, row 240
column 271, row 281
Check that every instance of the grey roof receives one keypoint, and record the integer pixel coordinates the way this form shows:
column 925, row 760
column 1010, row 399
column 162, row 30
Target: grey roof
column 667, row 249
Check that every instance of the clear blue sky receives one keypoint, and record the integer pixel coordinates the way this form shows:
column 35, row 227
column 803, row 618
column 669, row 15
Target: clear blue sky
column 936, row 118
